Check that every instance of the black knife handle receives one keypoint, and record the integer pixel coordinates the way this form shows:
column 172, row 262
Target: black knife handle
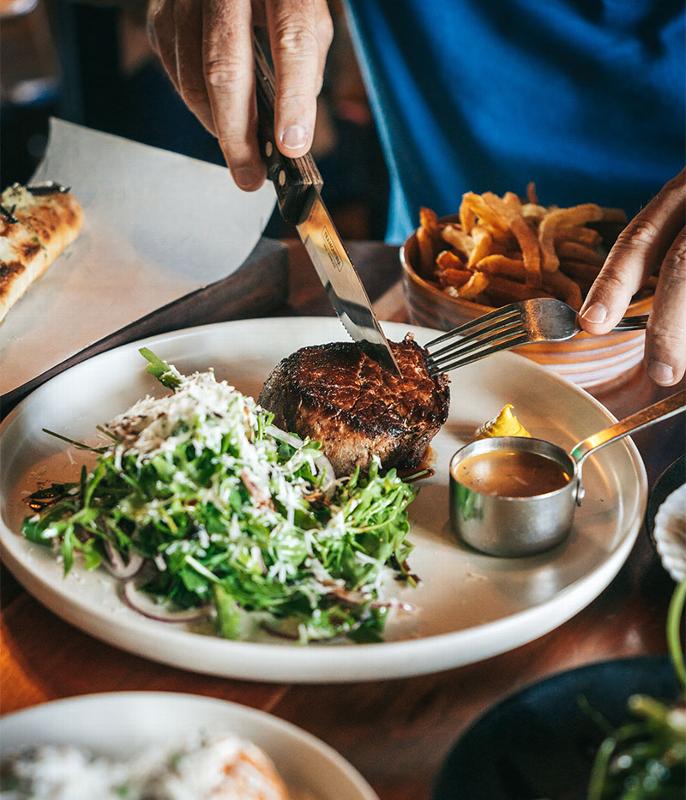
column 292, row 177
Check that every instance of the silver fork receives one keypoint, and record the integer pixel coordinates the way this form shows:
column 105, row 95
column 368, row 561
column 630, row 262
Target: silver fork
column 543, row 319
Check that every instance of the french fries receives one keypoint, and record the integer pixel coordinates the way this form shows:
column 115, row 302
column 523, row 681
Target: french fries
column 502, row 265
column 512, row 201
column 483, row 210
column 581, row 271
column 429, row 221
column 476, row 285
column 579, row 252
column 533, row 211
column 482, row 245
column 467, row 218
column 506, row 249
column 426, row 252
column 531, row 193
column 577, row 215
column 454, row 277
column 510, row 217
column 562, row 286
column 505, row 291
column 458, row 239
column 577, row 233
column 449, row 260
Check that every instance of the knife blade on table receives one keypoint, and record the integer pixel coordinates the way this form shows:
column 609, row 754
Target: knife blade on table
column 298, row 184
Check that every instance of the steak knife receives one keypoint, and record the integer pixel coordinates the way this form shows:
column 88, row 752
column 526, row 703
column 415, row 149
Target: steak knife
column 298, row 185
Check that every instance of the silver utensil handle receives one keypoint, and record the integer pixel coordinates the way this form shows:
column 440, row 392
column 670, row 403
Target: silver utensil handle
column 638, row 323
column 674, row 404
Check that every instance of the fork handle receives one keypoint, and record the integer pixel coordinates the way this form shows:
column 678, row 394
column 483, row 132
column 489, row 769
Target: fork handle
column 632, row 323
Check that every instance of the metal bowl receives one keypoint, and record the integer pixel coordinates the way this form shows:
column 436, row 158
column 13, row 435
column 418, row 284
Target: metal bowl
column 513, row 526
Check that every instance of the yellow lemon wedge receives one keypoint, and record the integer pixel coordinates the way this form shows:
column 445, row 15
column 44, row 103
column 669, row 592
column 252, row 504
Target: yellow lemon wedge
column 503, row 424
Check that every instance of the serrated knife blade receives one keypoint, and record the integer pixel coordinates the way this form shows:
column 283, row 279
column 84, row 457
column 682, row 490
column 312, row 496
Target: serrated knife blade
column 342, row 283
column 297, row 182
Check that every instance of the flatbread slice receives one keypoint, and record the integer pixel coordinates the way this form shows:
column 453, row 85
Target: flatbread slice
column 44, row 226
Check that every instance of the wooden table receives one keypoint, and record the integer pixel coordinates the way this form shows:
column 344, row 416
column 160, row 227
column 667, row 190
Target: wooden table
column 396, row 732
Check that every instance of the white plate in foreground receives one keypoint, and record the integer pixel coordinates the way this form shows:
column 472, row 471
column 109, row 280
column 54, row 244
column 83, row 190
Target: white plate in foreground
column 469, row 606
column 120, row 725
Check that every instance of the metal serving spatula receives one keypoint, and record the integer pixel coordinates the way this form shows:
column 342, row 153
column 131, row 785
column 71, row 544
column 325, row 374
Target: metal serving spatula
column 298, row 183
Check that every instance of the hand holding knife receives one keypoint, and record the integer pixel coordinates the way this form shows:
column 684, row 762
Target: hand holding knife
column 298, row 185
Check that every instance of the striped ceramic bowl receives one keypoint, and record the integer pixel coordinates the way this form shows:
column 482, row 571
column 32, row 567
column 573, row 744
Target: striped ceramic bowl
column 585, row 360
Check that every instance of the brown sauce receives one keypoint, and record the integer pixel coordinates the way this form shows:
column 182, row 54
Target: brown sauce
column 511, row 473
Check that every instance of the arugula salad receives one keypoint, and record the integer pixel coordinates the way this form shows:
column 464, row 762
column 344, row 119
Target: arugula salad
column 205, row 510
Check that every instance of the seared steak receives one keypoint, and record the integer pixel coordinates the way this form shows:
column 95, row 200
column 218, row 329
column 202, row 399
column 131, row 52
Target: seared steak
column 336, row 394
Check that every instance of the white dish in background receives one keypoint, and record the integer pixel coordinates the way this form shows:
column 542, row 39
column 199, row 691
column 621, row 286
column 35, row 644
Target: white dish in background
column 119, row 725
column 670, row 533
column 607, row 365
column 597, row 377
column 470, row 606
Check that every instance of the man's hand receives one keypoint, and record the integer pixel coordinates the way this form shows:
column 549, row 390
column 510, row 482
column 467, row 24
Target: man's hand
column 206, row 49
column 654, row 239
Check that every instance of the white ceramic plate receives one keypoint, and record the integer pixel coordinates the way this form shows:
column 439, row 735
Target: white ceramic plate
column 670, row 533
column 120, row 724
column 469, row 606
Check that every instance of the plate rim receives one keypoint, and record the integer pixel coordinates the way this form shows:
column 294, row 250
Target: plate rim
column 289, row 729
column 408, row 654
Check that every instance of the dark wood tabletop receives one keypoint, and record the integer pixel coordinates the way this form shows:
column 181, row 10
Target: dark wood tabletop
column 396, row 732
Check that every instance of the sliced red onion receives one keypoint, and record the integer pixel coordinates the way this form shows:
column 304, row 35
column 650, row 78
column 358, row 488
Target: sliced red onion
column 322, row 462
column 278, row 632
column 118, row 567
column 145, row 605
column 286, row 438
column 348, row 596
column 329, row 485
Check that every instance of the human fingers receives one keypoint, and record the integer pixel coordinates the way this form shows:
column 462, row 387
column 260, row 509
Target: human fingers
column 162, row 35
column 665, row 352
column 230, row 81
column 637, row 253
column 300, row 33
column 190, row 76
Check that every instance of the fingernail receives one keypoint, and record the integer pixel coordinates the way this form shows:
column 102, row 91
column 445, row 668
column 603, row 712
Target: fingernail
column 596, row 312
column 294, row 137
column 246, row 177
column 661, row 373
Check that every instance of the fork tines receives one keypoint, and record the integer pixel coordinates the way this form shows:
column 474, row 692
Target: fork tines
column 499, row 330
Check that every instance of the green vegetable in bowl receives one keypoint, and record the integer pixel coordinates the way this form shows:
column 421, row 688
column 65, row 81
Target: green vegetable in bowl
column 646, row 757
column 219, row 514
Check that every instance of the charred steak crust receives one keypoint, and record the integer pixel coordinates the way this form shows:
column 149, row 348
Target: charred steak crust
column 338, row 395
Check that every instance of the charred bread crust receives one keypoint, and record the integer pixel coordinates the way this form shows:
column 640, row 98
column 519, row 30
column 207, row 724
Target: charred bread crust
column 31, row 244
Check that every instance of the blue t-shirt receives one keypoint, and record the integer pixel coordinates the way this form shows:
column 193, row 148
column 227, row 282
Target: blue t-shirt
column 585, row 97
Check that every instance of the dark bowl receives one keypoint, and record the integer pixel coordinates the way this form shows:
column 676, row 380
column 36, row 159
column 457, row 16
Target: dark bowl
column 540, row 743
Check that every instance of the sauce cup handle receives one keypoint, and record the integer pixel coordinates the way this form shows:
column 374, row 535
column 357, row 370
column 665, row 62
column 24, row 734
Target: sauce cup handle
column 663, row 409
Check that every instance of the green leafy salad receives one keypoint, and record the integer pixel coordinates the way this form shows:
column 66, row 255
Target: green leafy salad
column 206, row 510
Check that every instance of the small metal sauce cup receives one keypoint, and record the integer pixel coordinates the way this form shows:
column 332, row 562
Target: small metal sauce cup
column 522, row 526
column 512, row 526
